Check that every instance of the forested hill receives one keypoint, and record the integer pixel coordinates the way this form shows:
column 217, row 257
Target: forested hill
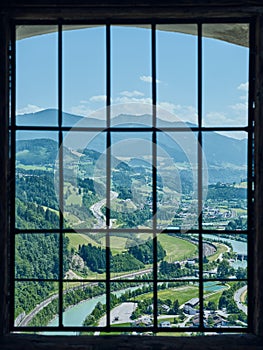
column 37, row 151
column 218, row 148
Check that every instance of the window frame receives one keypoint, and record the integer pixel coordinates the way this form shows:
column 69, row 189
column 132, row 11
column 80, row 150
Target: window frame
column 110, row 130
column 256, row 273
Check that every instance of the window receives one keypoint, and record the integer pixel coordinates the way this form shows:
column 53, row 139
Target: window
column 131, row 217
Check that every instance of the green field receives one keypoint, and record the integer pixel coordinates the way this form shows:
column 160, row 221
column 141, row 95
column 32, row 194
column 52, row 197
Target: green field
column 182, row 294
column 34, row 167
column 221, row 248
column 76, row 239
column 177, row 248
column 71, row 195
column 214, row 297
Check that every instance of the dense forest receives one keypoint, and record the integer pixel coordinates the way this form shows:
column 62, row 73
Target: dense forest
column 228, row 192
column 144, row 252
column 95, row 259
column 37, row 257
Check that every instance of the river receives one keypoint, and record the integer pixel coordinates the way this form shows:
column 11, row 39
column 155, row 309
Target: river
column 75, row 315
column 238, row 247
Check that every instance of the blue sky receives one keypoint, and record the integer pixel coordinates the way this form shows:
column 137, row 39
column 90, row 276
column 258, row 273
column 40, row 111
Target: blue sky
column 225, row 74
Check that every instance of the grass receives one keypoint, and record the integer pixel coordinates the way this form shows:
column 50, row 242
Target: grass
column 73, row 196
column 127, row 324
column 33, row 167
column 221, row 248
column 214, row 297
column 117, row 243
column 172, row 334
column 243, row 297
column 74, row 199
column 240, row 211
column 76, row 239
column 182, row 294
column 176, row 248
column 122, row 206
column 71, row 219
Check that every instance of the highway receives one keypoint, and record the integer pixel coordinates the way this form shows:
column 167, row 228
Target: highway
column 237, row 298
column 96, row 210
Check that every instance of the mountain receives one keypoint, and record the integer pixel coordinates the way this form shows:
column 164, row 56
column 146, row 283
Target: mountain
column 226, row 157
column 49, row 117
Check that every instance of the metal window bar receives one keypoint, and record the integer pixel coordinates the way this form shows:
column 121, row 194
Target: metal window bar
column 108, row 171
column 154, row 176
column 200, row 129
column 61, row 172
column 251, row 177
column 12, row 175
column 200, row 174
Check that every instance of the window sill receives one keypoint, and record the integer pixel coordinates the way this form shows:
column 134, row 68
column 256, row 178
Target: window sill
column 220, row 342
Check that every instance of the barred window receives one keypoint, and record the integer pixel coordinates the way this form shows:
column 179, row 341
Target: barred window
column 132, row 149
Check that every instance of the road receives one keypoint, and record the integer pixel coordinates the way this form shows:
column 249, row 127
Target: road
column 96, row 210
column 237, row 298
column 36, row 310
column 122, row 313
column 44, row 303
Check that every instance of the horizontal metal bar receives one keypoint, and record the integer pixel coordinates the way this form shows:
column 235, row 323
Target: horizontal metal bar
column 142, row 21
column 130, row 230
column 112, row 329
column 128, row 128
column 131, row 281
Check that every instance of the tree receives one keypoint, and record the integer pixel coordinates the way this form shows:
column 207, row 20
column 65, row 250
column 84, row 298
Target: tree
column 241, row 273
column 175, row 307
column 211, row 306
column 224, row 269
column 232, row 307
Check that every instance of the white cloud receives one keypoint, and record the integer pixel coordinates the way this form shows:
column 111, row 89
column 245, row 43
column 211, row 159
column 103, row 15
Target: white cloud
column 98, row 98
column 148, row 79
column 81, row 110
column 243, row 86
column 177, row 112
column 131, row 106
column 133, row 93
column 235, row 115
column 215, row 118
column 240, row 107
column 30, row 109
column 125, row 99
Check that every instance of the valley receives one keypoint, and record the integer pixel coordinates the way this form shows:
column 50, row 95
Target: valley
column 128, row 244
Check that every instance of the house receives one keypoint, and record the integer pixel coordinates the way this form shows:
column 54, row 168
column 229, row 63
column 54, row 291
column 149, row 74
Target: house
column 190, row 310
column 192, row 302
column 219, row 321
column 165, row 324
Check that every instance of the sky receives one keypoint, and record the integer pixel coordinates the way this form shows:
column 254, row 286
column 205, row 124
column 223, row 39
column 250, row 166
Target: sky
column 225, row 75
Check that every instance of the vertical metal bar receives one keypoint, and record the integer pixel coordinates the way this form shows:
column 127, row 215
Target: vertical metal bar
column 61, row 179
column 154, row 179
column 200, row 177
column 154, row 85
column 108, row 170
column 250, row 175
column 13, row 177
